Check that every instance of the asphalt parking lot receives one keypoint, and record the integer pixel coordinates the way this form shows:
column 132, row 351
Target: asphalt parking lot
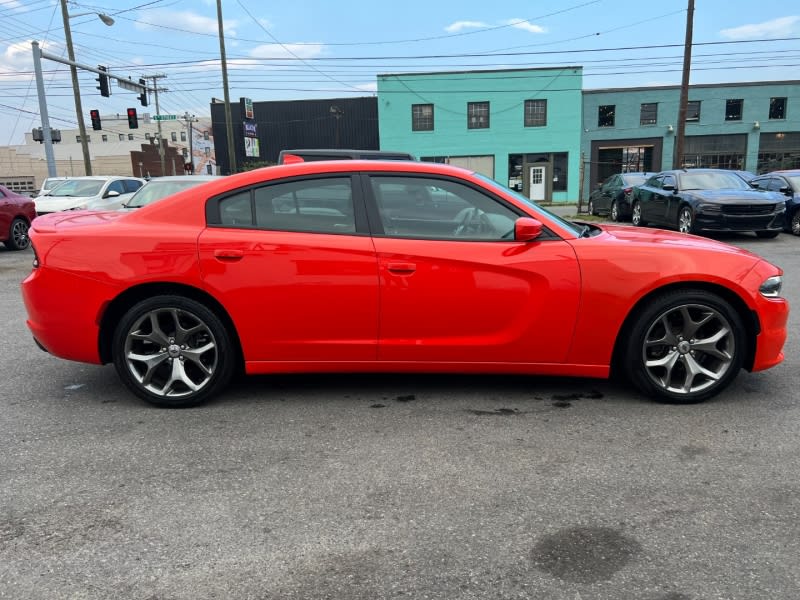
column 369, row 487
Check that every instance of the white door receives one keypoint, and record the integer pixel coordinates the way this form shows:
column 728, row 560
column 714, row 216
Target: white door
column 537, row 187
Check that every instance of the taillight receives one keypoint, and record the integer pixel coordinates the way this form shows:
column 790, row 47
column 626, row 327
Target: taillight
column 628, row 190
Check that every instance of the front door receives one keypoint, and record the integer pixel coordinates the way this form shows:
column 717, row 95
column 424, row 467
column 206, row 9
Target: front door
column 537, row 183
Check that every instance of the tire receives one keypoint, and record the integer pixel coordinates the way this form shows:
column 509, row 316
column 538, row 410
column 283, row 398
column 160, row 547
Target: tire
column 591, row 209
column 767, row 235
column 685, row 220
column 794, row 224
column 18, row 235
column 685, row 346
column 636, row 215
column 614, row 212
column 159, row 332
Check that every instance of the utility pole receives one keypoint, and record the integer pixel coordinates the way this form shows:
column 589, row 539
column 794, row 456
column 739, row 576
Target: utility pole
column 47, row 136
column 677, row 156
column 156, row 89
column 189, row 119
column 228, row 118
column 76, row 91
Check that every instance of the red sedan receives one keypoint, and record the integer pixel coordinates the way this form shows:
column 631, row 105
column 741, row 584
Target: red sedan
column 16, row 213
column 356, row 266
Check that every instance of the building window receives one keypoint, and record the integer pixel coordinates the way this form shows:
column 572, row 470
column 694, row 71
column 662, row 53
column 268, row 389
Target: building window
column 422, row 117
column 121, row 137
column 174, row 136
column 183, row 136
column 605, row 115
column 205, row 135
column 693, row 110
column 535, row 113
column 477, row 115
column 648, row 114
column 777, row 108
column 147, row 136
column 733, row 110
column 130, row 137
column 714, row 151
column 207, row 151
column 185, row 153
column 104, row 137
column 78, row 139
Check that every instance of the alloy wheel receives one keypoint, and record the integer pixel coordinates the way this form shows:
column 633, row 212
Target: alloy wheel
column 19, row 235
column 795, row 223
column 685, row 220
column 636, row 214
column 614, row 211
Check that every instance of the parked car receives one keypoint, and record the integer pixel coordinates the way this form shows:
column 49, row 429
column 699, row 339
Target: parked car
column 161, row 187
column 746, row 175
column 90, row 193
column 335, row 266
column 787, row 183
column 698, row 200
column 614, row 196
column 294, row 156
column 49, row 184
column 16, row 213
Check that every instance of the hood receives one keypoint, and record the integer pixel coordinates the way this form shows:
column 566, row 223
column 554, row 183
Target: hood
column 61, row 220
column 736, row 196
column 56, row 203
column 671, row 239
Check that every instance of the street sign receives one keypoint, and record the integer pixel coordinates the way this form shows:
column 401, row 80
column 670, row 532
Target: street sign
column 164, row 117
column 129, row 85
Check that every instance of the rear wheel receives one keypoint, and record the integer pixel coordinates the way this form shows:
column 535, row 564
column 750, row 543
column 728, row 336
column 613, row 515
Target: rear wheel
column 685, row 346
column 685, row 220
column 636, row 215
column 768, row 235
column 614, row 211
column 591, row 209
column 172, row 351
column 794, row 224
column 18, row 235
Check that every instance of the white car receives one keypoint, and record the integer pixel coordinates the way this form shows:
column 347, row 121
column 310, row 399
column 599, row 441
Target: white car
column 49, row 184
column 89, row 193
column 161, row 187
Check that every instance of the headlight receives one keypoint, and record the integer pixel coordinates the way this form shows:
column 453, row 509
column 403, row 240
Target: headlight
column 710, row 208
column 771, row 288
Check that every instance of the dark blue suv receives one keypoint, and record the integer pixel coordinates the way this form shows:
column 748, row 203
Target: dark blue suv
column 786, row 182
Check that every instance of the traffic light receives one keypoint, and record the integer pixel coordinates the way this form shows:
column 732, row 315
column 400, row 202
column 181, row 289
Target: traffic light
column 95, row 115
column 104, row 88
column 143, row 95
column 133, row 119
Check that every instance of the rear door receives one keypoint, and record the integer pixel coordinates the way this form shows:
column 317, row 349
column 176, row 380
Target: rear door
column 454, row 285
column 296, row 268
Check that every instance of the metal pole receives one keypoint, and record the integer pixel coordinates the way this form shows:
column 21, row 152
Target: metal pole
column 228, row 118
column 677, row 156
column 76, row 91
column 189, row 119
column 46, row 135
column 158, row 122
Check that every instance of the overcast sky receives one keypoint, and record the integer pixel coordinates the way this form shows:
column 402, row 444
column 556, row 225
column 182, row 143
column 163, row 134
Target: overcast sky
column 326, row 49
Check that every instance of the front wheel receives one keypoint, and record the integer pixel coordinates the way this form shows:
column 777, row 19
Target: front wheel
column 18, row 235
column 636, row 215
column 172, row 351
column 685, row 220
column 794, row 224
column 615, row 211
column 590, row 208
column 685, row 346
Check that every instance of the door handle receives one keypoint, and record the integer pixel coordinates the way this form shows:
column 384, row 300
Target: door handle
column 401, row 267
column 228, row 255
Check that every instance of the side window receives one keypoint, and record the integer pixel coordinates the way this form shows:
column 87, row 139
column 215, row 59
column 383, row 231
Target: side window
column 668, row 180
column 116, row 186
column 317, row 205
column 655, row 182
column 776, row 183
column 236, row 210
column 131, row 185
column 424, row 208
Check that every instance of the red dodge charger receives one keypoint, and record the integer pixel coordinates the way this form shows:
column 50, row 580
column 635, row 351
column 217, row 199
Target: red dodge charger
column 389, row 266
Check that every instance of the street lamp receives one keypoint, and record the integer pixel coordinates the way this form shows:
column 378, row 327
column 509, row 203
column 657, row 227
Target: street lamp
column 76, row 91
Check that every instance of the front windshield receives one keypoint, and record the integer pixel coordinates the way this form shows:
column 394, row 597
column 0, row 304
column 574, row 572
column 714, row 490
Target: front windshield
column 712, row 181
column 794, row 180
column 634, row 179
column 156, row 190
column 577, row 229
column 78, row 187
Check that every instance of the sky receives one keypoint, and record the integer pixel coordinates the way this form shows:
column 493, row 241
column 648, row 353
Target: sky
column 332, row 49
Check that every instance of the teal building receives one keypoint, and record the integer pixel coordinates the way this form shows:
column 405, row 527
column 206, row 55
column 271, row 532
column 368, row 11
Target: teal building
column 521, row 127
column 753, row 126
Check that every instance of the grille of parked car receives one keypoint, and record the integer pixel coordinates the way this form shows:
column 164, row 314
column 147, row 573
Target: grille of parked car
column 748, row 209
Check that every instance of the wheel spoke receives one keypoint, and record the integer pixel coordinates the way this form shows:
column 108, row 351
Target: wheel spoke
column 710, row 346
column 150, row 362
column 668, row 339
column 195, row 355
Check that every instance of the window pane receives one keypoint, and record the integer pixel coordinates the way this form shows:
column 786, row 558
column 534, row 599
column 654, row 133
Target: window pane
column 777, row 108
column 649, row 113
column 422, row 117
column 236, row 209
column 477, row 115
column 605, row 115
column 320, row 205
column 535, row 113
column 733, row 110
column 417, row 207
column 693, row 110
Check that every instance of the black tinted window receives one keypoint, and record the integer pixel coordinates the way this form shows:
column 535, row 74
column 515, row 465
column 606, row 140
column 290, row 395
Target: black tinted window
column 317, row 205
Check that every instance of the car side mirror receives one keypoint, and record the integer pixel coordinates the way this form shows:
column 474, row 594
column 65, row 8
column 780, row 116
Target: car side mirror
column 668, row 187
column 527, row 229
column 786, row 190
column 111, row 194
